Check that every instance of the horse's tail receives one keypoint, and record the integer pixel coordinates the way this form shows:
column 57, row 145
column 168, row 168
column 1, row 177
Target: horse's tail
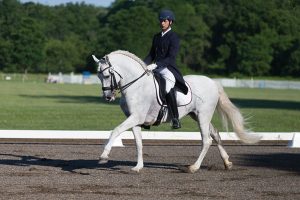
column 229, row 111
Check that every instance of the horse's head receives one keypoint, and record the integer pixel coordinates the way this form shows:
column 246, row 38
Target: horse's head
column 108, row 78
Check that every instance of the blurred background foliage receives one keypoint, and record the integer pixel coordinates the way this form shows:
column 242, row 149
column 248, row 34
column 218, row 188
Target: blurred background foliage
column 218, row 37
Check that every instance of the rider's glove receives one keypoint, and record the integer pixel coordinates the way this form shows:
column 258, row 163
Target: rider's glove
column 152, row 66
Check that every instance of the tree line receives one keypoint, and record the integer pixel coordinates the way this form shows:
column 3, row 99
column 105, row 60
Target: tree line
column 221, row 37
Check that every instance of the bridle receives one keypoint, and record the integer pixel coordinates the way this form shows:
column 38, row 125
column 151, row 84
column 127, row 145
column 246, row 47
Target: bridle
column 113, row 82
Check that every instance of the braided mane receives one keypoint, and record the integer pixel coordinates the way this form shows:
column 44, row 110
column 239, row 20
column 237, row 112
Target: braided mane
column 132, row 56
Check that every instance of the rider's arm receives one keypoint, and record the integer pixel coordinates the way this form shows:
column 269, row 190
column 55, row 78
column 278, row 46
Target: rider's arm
column 150, row 57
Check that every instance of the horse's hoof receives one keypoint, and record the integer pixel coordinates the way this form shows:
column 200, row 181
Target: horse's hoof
column 228, row 165
column 103, row 161
column 192, row 169
column 136, row 169
column 187, row 169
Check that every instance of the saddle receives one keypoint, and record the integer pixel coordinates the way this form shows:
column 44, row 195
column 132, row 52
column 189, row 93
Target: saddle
column 161, row 92
column 160, row 85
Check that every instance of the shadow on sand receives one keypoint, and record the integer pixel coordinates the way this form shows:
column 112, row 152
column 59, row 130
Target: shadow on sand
column 73, row 165
column 279, row 161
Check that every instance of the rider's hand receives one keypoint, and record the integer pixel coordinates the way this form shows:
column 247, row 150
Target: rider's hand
column 152, row 66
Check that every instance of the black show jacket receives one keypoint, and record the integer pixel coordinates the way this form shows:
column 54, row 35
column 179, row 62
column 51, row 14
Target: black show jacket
column 163, row 52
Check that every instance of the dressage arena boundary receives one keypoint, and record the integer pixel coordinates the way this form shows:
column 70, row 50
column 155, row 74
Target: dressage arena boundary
column 293, row 138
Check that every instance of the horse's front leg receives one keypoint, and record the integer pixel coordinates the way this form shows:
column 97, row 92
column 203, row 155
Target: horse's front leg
column 139, row 147
column 130, row 122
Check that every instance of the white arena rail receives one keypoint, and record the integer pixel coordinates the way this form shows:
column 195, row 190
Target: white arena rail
column 293, row 137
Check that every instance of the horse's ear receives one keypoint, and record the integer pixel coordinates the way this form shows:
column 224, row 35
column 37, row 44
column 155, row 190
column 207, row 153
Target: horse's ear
column 95, row 58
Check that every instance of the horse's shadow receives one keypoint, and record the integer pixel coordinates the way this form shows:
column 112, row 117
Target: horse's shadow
column 73, row 165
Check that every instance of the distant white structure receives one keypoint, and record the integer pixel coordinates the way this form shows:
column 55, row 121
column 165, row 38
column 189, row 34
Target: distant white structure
column 225, row 82
column 72, row 78
column 259, row 83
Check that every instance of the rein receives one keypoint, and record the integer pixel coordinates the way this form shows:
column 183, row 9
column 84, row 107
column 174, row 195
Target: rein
column 124, row 87
column 113, row 83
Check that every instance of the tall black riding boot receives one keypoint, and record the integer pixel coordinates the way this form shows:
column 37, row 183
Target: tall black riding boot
column 172, row 104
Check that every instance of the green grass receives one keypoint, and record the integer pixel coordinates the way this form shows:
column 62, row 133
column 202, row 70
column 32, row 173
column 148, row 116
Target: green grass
column 269, row 109
column 17, row 77
column 38, row 106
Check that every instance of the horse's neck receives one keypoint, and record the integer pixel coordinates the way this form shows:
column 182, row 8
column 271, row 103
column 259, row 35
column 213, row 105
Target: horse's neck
column 130, row 70
column 126, row 65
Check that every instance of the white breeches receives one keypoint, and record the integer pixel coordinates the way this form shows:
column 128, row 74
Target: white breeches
column 168, row 76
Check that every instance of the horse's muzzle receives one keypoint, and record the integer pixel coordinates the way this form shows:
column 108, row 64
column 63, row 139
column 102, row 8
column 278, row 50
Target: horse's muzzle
column 110, row 98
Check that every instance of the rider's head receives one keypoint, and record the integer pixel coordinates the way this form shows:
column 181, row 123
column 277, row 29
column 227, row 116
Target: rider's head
column 166, row 18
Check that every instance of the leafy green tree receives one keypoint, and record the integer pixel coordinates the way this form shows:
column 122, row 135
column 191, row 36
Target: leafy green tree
column 64, row 55
column 285, row 21
column 6, row 48
column 225, row 37
column 130, row 29
column 10, row 16
column 9, row 20
column 293, row 61
column 28, row 41
column 194, row 35
column 255, row 54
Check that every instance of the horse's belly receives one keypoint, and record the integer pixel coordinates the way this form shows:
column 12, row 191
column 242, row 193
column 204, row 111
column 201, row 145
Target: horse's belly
column 152, row 114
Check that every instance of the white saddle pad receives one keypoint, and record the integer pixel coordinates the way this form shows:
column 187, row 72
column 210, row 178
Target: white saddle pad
column 181, row 98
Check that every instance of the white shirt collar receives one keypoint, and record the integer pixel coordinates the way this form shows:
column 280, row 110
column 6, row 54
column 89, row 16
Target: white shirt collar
column 163, row 33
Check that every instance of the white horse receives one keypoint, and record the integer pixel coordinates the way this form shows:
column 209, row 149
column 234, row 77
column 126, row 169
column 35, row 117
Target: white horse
column 121, row 70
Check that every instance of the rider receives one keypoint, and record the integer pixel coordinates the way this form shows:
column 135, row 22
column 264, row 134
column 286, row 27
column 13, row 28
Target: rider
column 165, row 46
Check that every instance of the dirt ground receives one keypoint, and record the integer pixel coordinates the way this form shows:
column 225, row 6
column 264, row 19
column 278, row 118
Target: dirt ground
column 58, row 170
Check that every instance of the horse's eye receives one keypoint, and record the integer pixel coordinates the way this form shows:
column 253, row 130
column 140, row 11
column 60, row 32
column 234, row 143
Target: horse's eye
column 106, row 76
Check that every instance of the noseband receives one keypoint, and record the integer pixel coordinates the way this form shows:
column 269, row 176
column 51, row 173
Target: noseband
column 113, row 83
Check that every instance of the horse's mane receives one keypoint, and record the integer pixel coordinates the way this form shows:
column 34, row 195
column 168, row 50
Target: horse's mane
column 132, row 56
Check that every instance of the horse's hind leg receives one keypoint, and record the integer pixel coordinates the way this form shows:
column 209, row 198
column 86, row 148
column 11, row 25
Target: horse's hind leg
column 206, row 142
column 215, row 135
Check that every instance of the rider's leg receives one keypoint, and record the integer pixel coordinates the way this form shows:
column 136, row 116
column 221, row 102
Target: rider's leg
column 171, row 97
column 172, row 104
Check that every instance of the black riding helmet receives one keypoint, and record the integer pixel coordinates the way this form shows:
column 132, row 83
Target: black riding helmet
column 166, row 14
